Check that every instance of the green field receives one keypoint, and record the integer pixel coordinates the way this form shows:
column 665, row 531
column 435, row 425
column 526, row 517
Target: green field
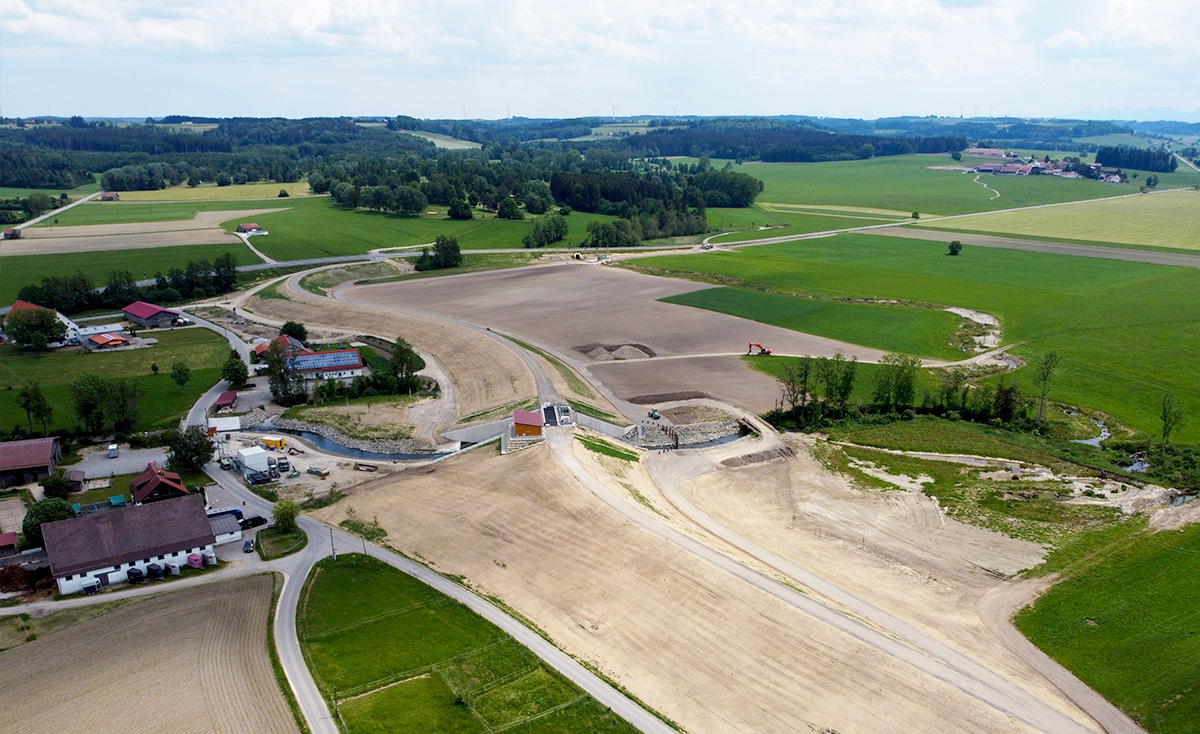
column 109, row 212
column 1124, row 621
column 8, row 192
column 404, row 658
column 1166, row 219
column 921, row 331
column 18, row 271
column 162, row 401
column 212, row 192
column 1121, row 351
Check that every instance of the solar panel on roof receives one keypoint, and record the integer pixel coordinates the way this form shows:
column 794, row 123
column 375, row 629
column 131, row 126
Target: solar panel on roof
column 325, row 360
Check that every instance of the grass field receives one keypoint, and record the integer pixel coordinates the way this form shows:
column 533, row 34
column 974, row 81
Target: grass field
column 921, row 331
column 272, row 543
column 94, row 212
column 442, row 668
column 1166, row 219
column 444, row 141
column 1121, row 351
column 1125, row 623
column 600, row 446
column 162, row 401
column 18, row 271
column 8, row 192
column 212, row 192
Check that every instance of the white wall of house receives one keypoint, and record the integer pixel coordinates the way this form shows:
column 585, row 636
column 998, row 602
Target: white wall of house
column 233, row 537
column 334, row 374
column 73, row 583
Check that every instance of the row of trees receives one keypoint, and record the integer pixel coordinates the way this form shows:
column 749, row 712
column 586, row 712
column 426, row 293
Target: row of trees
column 1143, row 159
column 75, row 293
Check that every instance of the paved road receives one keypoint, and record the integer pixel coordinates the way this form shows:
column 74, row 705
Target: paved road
column 1153, row 257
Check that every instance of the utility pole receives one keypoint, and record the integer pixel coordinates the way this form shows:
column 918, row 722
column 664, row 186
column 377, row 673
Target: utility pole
column 331, row 543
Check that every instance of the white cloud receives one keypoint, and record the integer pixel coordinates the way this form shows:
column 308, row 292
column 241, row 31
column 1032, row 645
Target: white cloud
column 545, row 57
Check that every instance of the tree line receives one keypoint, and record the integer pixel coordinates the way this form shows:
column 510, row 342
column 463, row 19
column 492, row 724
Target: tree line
column 1143, row 159
column 76, row 293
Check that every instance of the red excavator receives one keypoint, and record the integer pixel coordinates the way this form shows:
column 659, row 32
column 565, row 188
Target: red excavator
column 761, row 349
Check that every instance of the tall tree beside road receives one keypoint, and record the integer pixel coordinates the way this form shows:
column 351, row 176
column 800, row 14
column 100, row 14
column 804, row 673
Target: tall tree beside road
column 1045, row 371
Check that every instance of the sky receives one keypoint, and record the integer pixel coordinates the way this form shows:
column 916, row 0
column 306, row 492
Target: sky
column 1124, row 59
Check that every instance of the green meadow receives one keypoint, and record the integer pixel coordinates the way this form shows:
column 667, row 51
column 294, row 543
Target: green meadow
column 162, row 401
column 1124, row 620
column 1121, row 350
column 401, row 657
column 18, row 271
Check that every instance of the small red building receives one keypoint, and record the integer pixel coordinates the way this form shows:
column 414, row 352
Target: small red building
column 526, row 423
column 156, row 484
column 248, row 228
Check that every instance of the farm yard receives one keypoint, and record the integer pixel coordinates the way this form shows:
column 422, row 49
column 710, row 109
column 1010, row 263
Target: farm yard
column 443, row 669
column 208, row 642
column 1120, row 351
column 162, row 401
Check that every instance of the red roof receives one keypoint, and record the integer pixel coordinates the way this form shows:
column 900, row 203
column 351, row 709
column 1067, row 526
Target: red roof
column 227, row 398
column 19, row 305
column 152, row 479
column 27, row 454
column 7, row 539
column 106, row 339
column 526, row 418
column 144, row 310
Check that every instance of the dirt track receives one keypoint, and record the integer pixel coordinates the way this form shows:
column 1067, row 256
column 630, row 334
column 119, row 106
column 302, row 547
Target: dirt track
column 190, row 661
column 693, row 642
column 203, row 229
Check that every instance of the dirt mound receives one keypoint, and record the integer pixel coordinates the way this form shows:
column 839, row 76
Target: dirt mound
column 604, row 352
column 759, row 457
column 667, row 397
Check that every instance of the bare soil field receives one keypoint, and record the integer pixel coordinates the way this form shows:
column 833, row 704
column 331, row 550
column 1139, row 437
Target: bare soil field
column 725, row 378
column 203, row 229
column 190, row 661
column 693, row 642
column 486, row 374
column 592, row 313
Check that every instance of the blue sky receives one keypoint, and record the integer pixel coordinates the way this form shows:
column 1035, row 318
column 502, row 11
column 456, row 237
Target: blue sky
column 543, row 58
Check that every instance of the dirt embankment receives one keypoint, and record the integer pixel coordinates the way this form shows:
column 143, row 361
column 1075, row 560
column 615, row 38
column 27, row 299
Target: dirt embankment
column 692, row 641
column 485, row 373
column 192, row 661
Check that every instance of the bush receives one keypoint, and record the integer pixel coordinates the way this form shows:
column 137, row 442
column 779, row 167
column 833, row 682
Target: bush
column 57, row 485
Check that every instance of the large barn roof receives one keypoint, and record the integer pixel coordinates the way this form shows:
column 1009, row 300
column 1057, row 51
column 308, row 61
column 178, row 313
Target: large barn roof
column 103, row 539
column 144, row 310
column 27, row 454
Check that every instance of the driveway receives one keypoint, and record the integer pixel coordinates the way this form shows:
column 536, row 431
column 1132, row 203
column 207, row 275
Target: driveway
column 131, row 461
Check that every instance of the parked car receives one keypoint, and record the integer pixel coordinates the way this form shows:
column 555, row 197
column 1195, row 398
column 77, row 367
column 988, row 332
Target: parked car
column 252, row 522
column 226, row 462
column 248, row 546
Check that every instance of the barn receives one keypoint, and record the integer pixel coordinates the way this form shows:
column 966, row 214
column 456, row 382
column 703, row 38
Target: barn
column 526, row 423
column 104, row 546
column 225, row 401
column 149, row 315
column 248, row 228
column 27, row 461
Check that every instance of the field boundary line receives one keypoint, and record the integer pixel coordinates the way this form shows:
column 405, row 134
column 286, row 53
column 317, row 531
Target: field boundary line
column 411, row 673
column 512, row 677
column 376, row 618
column 383, row 688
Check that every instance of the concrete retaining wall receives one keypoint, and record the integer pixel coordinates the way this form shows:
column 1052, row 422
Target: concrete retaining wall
column 479, row 433
column 608, row 429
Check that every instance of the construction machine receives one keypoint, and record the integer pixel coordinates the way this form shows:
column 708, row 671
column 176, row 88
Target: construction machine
column 761, row 349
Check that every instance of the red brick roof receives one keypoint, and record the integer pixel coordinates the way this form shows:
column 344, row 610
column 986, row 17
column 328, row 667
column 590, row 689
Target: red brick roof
column 152, row 479
column 7, row 539
column 229, row 397
column 27, row 454
column 144, row 310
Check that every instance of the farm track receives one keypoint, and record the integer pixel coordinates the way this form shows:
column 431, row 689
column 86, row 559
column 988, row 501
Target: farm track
column 190, row 661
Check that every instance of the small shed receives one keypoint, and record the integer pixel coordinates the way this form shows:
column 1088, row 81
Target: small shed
column 225, row 528
column 110, row 196
column 105, row 341
column 224, row 425
column 248, row 228
column 274, row 443
column 226, row 400
column 8, row 544
column 526, row 423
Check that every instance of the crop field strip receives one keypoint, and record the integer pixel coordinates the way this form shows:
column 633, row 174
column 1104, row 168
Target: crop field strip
column 451, row 672
column 1120, row 353
column 209, row 640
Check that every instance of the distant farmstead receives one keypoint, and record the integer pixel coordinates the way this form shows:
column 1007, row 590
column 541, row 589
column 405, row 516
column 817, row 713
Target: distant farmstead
column 149, row 315
column 110, row 196
column 249, row 228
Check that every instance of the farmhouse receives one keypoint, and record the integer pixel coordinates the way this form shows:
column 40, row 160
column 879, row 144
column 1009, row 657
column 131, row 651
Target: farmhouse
column 291, row 346
column 333, row 365
column 249, row 228
column 110, row 196
column 102, row 547
column 148, row 314
column 526, row 423
column 105, row 341
column 12, row 233
column 72, row 328
column 27, row 461
column 155, row 485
